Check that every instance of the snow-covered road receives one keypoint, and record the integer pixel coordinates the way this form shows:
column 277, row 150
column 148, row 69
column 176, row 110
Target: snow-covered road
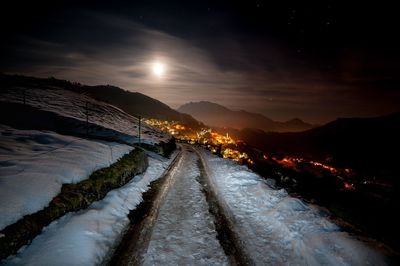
column 184, row 232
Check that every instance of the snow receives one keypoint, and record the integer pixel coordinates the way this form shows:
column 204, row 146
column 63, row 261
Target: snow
column 86, row 237
column 34, row 165
column 184, row 232
column 70, row 104
column 278, row 229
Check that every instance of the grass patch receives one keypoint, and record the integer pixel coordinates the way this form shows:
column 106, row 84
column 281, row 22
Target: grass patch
column 73, row 197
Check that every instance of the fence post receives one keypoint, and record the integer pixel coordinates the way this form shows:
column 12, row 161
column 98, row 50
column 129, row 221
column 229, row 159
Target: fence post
column 24, row 95
column 140, row 128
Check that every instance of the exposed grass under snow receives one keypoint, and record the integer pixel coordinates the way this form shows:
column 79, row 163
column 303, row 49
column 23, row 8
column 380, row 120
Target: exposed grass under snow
column 87, row 236
column 71, row 198
column 35, row 164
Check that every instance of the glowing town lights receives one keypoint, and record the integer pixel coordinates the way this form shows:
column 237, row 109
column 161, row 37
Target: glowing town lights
column 349, row 186
column 204, row 136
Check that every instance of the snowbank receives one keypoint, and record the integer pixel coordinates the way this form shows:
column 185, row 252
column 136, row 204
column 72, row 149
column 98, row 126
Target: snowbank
column 86, row 237
column 35, row 164
column 278, row 229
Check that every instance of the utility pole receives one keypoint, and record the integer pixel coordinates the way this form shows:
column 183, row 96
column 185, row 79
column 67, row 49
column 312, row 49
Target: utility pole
column 140, row 128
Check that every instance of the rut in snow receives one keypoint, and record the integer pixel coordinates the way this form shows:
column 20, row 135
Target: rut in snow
column 184, row 232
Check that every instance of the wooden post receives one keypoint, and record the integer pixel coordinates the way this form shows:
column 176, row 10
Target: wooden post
column 140, row 128
column 24, row 95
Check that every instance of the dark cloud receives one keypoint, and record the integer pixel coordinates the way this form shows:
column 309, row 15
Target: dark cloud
column 284, row 60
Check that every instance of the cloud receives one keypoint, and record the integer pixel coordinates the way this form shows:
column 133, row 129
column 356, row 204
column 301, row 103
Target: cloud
column 101, row 48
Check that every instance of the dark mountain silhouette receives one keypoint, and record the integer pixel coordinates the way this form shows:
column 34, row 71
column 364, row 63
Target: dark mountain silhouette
column 216, row 115
column 136, row 103
column 133, row 103
column 367, row 144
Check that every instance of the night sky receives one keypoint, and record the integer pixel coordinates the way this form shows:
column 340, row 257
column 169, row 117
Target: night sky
column 316, row 61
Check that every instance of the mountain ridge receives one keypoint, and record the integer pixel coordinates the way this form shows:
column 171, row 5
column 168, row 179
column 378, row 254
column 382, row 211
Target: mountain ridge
column 362, row 143
column 216, row 115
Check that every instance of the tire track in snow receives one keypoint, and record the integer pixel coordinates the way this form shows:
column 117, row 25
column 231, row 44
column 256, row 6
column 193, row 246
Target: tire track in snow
column 228, row 238
column 135, row 240
column 185, row 233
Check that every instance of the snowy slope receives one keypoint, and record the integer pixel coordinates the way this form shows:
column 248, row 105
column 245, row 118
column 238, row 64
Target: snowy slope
column 277, row 229
column 35, row 164
column 70, row 104
column 85, row 237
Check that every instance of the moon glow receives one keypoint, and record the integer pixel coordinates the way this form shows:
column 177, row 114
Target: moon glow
column 158, row 69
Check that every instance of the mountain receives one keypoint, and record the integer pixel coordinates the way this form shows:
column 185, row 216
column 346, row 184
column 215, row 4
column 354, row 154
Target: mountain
column 133, row 103
column 136, row 103
column 368, row 144
column 216, row 115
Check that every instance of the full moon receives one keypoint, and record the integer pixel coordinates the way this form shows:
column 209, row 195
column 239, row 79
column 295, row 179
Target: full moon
column 158, row 69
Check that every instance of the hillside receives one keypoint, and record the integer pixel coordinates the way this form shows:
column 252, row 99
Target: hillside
column 369, row 144
column 25, row 103
column 216, row 115
column 133, row 103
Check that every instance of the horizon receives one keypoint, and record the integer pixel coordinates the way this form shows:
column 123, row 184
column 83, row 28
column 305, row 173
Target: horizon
column 283, row 60
column 314, row 124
